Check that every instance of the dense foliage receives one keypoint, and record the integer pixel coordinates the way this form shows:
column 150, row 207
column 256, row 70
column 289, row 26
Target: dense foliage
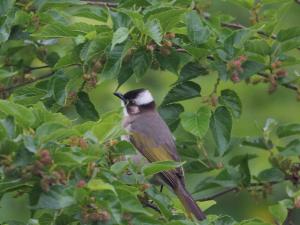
column 63, row 163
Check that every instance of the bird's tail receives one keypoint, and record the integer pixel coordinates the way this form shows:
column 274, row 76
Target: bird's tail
column 189, row 204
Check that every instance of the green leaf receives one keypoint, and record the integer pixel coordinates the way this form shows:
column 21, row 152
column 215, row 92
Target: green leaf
column 196, row 123
column 100, row 185
column 14, row 208
column 85, row 107
column 5, row 6
column 291, row 149
column 126, row 72
column 197, row 32
column 182, row 91
column 22, row 114
column 191, row 70
column 270, row 175
column 168, row 18
column 260, row 47
column 93, row 48
column 279, row 212
column 129, row 201
column 119, row 36
column 170, row 113
column 6, row 74
column 159, row 166
column 119, row 167
column 141, row 62
column 231, row 101
column 289, row 129
column 258, row 142
column 56, row 30
column 114, row 61
column 108, row 127
column 220, row 125
column 154, row 30
column 250, row 68
column 56, row 198
column 287, row 34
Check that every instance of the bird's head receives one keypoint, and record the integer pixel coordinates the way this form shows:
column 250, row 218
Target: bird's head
column 136, row 101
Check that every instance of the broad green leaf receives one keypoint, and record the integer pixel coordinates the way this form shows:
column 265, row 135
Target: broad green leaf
column 290, row 44
column 197, row 32
column 231, row 101
column 6, row 74
column 196, row 123
column 236, row 41
column 182, row 91
column 85, row 107
column 68, row 159
column 272, row 174
column 258, row 142
column 114, row 61
column 154, row 30
column 160, row 166
column 119, row 167
column 291, row 149
column 100, row 185
column 141, row 62
column 191, row 70
column 168, row 18
column 260, row 47
column 250, row 68
column 108, row 127
column 170, row 113
column 28, row 95
column 5, row 6
column 56, row 30
column 119, row 36
column 129, row 201
column 204, row 205
column 289, row 129
column 23, row 115
column 126, row 72
column 220, row 125
column 56, row 198
column 289, row 33
column 279, row 212
column 14, row 208
column 93, row 48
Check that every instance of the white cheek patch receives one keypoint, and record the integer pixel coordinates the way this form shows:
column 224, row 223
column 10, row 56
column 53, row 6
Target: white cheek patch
column 144, row 98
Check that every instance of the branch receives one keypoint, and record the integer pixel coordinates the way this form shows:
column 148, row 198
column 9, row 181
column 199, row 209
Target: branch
column 236, row 189
column 11, row 88
column 286, row 85
column 101, row 3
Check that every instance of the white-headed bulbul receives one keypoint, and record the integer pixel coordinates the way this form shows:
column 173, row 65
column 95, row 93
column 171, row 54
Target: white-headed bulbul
column 151, row 136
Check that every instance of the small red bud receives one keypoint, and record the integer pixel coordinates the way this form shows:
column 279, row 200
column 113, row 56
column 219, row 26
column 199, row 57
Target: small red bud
column 81, row 184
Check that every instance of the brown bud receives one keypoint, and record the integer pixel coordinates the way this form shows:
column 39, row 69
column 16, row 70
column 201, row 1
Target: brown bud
column 167, row 43
column 165, row 51
column 235, row 78
column 281, row 73
column 145, row 186
column 297, row 202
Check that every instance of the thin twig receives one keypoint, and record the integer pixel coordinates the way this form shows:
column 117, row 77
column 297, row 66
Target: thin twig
column 286, row 85
column 10, row 88
column 102, row 4
column 233, row 189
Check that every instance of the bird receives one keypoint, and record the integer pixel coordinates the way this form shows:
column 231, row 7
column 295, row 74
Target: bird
column 151, row 136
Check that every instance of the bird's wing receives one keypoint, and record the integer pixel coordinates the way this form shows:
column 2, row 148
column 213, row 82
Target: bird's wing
column 158, row 146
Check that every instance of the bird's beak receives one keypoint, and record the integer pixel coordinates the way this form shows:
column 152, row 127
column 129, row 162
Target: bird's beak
column 120, row 96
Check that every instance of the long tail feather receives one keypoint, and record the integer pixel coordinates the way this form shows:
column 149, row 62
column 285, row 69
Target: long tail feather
column 189, row 204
